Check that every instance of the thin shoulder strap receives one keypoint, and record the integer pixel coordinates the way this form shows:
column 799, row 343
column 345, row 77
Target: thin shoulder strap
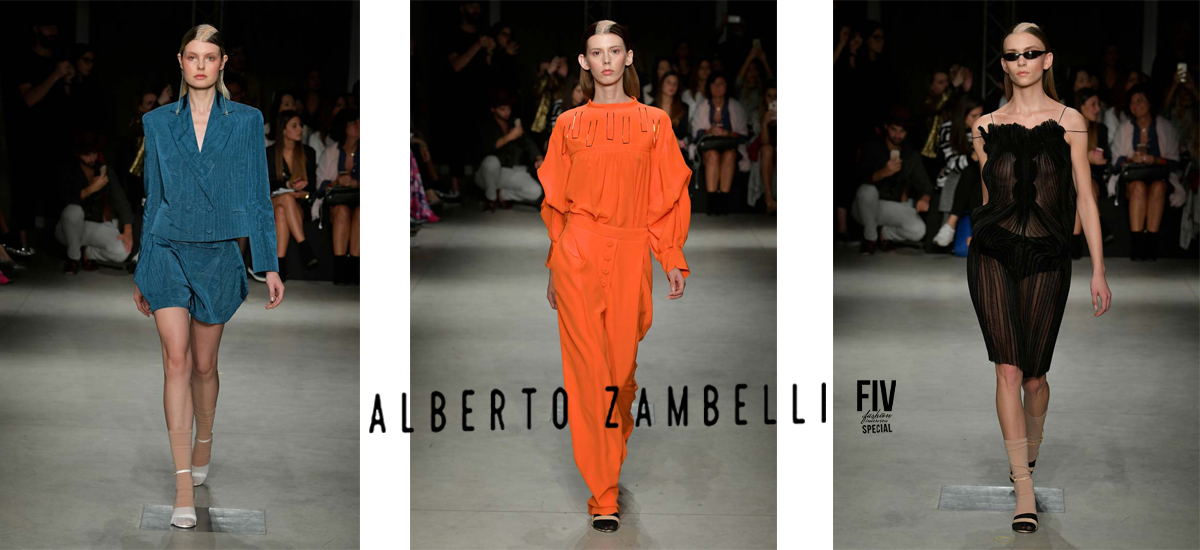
column 1064, row 111
column 992, row 117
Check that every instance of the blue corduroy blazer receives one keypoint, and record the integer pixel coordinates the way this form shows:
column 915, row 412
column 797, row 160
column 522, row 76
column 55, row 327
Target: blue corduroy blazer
column 213, row 193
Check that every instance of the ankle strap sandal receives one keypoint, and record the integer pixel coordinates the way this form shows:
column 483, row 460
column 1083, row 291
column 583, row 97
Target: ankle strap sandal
column 1025, row 523
column 606, row 523
column 183, row 516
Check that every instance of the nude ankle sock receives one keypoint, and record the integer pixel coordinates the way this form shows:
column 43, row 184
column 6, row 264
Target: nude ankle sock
column 1018, row 460
column 204, row 426
column 1033, row 427
column 181, row 450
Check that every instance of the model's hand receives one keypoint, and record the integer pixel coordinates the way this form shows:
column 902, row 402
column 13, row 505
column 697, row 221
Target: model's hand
column 550, row 293
column 140, row 301
column 1100, row 290
column 275, row 287
column 675, row 277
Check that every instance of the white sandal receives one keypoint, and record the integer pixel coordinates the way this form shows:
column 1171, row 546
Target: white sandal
column 200, row 473
column 181, row 515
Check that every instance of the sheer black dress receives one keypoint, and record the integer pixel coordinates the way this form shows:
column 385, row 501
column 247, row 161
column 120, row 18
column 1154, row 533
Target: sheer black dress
column 1019, row 259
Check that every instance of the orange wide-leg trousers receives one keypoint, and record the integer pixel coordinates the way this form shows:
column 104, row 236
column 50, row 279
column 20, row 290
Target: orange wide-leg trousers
column 602, row 283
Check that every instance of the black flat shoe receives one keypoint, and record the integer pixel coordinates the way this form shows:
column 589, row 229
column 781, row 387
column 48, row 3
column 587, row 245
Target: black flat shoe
column 608, row 524
column 1025, row 523
column 1010, row 476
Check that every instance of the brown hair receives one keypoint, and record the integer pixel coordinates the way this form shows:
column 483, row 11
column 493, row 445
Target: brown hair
column 632, row 85
column 1047, row 76
column 678, row 107
column 210, row 34
column 299, row 156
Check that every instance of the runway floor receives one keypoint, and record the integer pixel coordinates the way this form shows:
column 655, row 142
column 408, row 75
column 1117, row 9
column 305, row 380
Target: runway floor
column 83, row 440
column 1121, row 437
column 480, row 321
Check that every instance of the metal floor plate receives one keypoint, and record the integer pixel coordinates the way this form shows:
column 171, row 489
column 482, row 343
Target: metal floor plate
column 998, row 499
column 235, row 521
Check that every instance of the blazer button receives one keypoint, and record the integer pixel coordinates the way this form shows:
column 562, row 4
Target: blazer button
column 609, row 243
column 210, row 209
column 606, row 271
column 208, row 231
column 189, row 209
column 606, row 256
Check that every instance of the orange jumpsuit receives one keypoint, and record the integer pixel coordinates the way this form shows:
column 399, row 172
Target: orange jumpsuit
column 616, row 188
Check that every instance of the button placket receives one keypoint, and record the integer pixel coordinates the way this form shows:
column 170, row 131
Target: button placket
column 605, row 266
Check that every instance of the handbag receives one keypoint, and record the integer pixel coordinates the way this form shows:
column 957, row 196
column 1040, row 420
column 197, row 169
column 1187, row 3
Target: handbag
column 1145, row 172
column 341, row 195
column 719, row 143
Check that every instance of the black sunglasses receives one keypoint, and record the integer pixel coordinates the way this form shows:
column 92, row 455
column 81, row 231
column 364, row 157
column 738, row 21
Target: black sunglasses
column 1031, row 54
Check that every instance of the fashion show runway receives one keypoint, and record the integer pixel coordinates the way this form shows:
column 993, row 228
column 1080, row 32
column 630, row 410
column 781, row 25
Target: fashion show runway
column 83, row 439
column 1120, row 439
column 481, row 321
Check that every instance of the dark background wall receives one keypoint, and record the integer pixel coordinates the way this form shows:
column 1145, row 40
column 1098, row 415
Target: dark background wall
column 923, row 36
column 547, row 29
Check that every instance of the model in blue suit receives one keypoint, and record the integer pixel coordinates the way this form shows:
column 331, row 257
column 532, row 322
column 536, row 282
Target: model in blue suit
column 206, row 185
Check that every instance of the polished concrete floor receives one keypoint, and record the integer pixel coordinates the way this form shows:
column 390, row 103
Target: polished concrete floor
column 83, row 441
column 480, row 321
column 1121, row 436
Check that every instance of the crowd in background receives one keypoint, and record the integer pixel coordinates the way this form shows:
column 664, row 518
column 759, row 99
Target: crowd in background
column 493, row 132
column 76, row 168
column 905, row 173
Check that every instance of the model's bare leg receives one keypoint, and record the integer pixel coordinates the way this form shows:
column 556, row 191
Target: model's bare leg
column 174, row 334
column 354, row 231
column 1012, row 426
column 712, row 170
column 341, row 229
column 728, row 164
column 206, row 339
column 1037, row 401
column 1156, row 201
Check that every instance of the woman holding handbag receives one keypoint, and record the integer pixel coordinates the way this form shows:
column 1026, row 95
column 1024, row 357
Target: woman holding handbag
column 338, row 190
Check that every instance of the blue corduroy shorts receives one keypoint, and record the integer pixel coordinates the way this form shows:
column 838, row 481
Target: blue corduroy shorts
column 207, row 278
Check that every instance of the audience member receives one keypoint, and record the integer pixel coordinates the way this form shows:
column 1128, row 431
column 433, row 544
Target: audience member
column 291, row 167
column 697, row 81
column 1146, row 138
column 891, row 168
column 337, row 174
column 721, row 133
column 97, row 221
column 504, row 172
column 954, row 137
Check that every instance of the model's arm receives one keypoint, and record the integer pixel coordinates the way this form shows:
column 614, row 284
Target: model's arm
column 262, row 214
column 552, row 174
column 670, row 207
column 1085, row 205
column 977, row 143
column 151, row 177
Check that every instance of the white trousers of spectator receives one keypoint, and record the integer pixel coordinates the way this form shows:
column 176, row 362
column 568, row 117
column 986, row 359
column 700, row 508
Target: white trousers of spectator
column 898, row 221
column 516, row 182
column 103, row 239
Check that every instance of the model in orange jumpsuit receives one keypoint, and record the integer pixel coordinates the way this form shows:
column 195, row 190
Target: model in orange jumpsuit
column 616, row 188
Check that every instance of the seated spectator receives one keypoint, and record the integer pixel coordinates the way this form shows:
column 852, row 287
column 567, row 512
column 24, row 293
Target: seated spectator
column 890, row 168
column 669, row 101
column 571, row 97
column 954, row 139
column 661, row 68
column 1116, row 114
column 504, row 172
column 696, row 83
column 1179, row 107
column 323, row 138
column 1087, row 102
column 762, row 149
column 944, row 91
column 1146, row 138
column 96, row 216
column 338, row 168
column 284, row 101
column 292, row 167
column 750, row 84
column 720, row 116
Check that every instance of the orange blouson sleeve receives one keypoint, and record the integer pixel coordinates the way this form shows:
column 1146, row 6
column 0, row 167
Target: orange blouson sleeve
column 670, row 209
column 552, row 174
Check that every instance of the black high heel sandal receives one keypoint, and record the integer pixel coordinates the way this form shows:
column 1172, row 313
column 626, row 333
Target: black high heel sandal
column 608, row 523
column 1025, row 523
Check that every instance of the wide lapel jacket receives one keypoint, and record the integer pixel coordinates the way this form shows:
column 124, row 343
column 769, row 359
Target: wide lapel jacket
column 213, row 192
